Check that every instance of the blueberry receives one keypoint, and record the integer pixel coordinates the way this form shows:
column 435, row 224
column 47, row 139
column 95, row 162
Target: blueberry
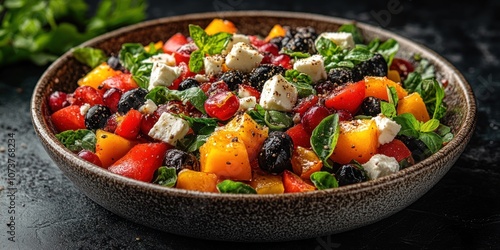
column 276, row 153
column 132, row 99
column 97, row 116
column 350, row 174
column 114, row 63
column 188, row 83
column 264, row 72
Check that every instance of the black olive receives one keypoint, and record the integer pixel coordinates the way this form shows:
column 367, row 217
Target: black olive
column 370, row 106
column 340, row 75
column 264, row 72
column 188, row 83
column 375, row 66
column 132, row 99
column 276, row 153
column 350, row 174
column 97, row 116
column 300, row 39
column 114, row 63
column 419, row 150
column 233, row 78
column 179, row 160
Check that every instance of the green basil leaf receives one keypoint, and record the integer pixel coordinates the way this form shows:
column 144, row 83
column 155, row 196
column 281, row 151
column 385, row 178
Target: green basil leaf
column 258, row 114
column 198, row 35
column 353, row 29
column 358, row 55
column 196, row 61
column 217, row 42
column 165, row 176
column 201, row 125
column 76, row 140
column 442, row 130
column 235, row 187
column 293, row 75
column 295, row 54
column 277, row 121
column 324, row 180
column 192, row 142
column 412, row 82
column 159, row 95
column 430, row 125
column 388, row 109
column 447, row 137
column 438, row 113
column 392, row 94
column 373, row 45
column 432, row 140
column 388, row 50
column 304, row 89
column 425, row 69
column 90, row 56
column 410, row 126
column 326, row 47
column 194, row 95
column 324, row 138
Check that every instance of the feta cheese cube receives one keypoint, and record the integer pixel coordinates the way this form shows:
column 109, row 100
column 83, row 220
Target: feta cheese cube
column 201, row 78
column 313, row 66
column 387, row 129
column 243, row 57
column 247, row 103
column 169, row 129
column 84, row 109
column 341, row 39
column 380, row 165
column 148, row 107
column 213, row 64
column 163, row 75
column 167, row 59
column 236, row 38
column 278, row 94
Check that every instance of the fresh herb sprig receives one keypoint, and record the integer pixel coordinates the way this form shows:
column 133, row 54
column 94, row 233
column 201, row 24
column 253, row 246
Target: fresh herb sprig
column 207, row 44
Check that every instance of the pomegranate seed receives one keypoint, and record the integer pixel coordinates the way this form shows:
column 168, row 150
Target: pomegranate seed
column 269, row 48
column 111, row 98
column 111, row 123
column 344, row 115
column 90, row 157
column 283, row 61
column 313, row 116
column 58, row 100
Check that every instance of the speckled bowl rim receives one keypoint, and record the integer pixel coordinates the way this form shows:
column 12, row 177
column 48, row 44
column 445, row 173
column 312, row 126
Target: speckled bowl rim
column 462, row 136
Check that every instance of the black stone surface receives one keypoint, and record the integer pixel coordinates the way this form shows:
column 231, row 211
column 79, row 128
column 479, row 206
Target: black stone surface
column 461, row 212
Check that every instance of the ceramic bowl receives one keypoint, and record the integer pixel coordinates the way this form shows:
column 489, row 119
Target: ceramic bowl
column 232, row 217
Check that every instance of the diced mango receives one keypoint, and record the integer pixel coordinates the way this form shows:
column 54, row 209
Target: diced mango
column 111, row 147
column 197, row 181
column 250, row 132
column 305, row 162
column 225, row 155
column 265, row 183
column 276, row 31
column 393, row 75
column 376, row 86
column 358, row 140
column 219, row 25
column 415, row 105
column 97, row 75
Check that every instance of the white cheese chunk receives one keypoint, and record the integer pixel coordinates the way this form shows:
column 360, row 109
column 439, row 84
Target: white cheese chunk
column 201, row 78
column 213, row 64
column 148, row 107
column 243, row 57
column 278, row 94
column 163, row 75
column 167, row 59
column 169, row 129
column 387, row 129
column 341, row 39
column 313, row 66
column 380, row 165
column 247, row 103
column 236, row 38
column 243, row 92
column 84, row 109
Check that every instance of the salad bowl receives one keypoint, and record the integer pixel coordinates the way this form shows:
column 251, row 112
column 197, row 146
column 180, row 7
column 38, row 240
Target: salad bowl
column 243, row 217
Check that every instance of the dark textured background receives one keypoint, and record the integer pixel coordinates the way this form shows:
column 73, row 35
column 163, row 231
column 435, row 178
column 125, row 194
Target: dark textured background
column 461, row 212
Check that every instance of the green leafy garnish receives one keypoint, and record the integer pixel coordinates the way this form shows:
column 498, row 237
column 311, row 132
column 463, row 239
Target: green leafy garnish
column 192, row 142
column 277, row 121
column 201, row 126
column 324, row 180
column 132, row 56
column 166, row 176
column 194, row 95
column 353, row 29
column 295, row 54
column 388, row 50
column 301, row 81
column 40, row 31
column 425, row 132
column 431, row 92
column 257, row 114
column 324, row 138
column 335, row 57
column 388, row 109
column 235, row 187
column 90, row 56
column 207, row 44
column 76, row 140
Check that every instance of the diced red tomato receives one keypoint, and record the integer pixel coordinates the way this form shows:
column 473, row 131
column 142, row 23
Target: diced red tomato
column 174, row 43
column 300, row 136
column 294, row 184
column 141, row 161
column 123, row 82
column 283, row 61
column 181, row 58
column 348, row 97
column 211, row 88
column 396, row 149
column 249, row 90
column 86, row 94
column 130, row 125
column 222, row 105
column 148, row 121
column 185, row 73
column 68, row 118
column 305, row 104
